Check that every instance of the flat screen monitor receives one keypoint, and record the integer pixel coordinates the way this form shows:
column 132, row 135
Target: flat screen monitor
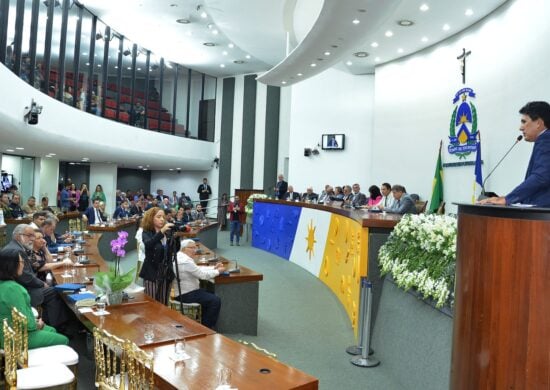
column 333, row 141
column 7, row 181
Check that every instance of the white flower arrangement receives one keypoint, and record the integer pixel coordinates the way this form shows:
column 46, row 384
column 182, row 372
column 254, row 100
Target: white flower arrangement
column 249, row 208
column 421, row 253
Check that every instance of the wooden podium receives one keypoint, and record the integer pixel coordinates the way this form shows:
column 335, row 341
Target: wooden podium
column 501, row 334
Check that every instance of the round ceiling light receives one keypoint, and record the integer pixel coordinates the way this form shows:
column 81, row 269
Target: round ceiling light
column 209, row 44
column 405, row 23
column 239, row 62
column 183, row 21
column 361, row 54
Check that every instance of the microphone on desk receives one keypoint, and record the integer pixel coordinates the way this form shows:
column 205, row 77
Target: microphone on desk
column 235, row 270
column 483, row 196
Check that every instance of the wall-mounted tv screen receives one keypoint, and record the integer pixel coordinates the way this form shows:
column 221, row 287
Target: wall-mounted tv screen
column 7, row 181
column 333, row 141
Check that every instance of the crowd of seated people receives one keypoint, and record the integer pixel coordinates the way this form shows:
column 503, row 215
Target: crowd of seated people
column 387, row 198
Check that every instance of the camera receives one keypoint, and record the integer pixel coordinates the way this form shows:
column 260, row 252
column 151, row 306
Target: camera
column 33, row 112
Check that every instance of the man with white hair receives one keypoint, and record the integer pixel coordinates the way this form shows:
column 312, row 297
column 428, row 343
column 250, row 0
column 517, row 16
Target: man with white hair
column 188, row 275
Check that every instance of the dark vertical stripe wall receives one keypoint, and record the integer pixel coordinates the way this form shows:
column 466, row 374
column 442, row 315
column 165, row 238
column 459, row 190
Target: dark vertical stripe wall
column 226, row 137
column 271, row 155
column 249, row 127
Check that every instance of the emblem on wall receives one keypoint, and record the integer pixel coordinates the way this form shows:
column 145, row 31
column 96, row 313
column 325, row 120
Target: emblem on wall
column 463, row 125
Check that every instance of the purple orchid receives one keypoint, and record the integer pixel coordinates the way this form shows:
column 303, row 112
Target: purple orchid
column 117, row 247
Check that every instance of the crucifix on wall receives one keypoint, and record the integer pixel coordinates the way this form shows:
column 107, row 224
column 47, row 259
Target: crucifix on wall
column 462, row 59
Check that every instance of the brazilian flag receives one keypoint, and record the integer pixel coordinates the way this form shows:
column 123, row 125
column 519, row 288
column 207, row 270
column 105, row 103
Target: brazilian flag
column 437, row 186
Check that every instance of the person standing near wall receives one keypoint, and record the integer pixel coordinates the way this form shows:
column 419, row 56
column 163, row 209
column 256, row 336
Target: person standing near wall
column 235, row 210
column 204, row 191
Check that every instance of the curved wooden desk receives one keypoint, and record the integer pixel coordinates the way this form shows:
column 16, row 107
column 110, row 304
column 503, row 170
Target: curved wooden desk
column 62, row 225
column 110, row 232
column 501, row 335
column 207, row 234
column 335, row 244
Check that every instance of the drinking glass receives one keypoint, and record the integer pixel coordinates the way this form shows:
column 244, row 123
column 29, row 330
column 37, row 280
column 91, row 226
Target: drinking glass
column 149, row 333
column 224, row 376
column 100, row 307
column 179, row 347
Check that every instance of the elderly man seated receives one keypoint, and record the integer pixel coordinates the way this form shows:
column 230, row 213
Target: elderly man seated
column 403, row 203
column 54, row 311
column 310, row 196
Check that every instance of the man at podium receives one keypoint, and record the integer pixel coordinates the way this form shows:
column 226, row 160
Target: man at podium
column 535, row 189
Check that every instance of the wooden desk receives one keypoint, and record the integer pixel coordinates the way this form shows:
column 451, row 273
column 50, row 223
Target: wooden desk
column 128, row 321
column 110, row 232
column 207, row 234
column 210, row 354
column 62, row 225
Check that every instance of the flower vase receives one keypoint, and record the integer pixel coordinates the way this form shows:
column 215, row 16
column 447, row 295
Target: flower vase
column 114, row 298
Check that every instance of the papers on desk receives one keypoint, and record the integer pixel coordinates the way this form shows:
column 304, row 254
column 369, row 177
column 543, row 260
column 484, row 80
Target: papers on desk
column 98, row 314
column 521, row 205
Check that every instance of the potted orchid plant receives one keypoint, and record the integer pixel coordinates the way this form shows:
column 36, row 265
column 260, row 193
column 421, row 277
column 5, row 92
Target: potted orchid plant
column 112, row 283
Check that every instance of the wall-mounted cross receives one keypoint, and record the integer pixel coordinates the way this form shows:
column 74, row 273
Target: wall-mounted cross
column 462, row 59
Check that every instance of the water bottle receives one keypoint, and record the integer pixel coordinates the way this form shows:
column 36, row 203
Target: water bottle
column 49, row 278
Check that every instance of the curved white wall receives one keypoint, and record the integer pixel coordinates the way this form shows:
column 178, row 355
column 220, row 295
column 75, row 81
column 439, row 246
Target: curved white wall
column 73, row 134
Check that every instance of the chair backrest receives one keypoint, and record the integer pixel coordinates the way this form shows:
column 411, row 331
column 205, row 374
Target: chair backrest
column 21, row 345
column 110, row 360
column 141, row 374
column 10, row 357
column 421, row 206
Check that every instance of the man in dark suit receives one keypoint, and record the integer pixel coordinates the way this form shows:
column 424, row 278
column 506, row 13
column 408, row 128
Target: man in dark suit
column 204, row 191
column 310, row 196
column 291, row 195
column 281, row 187
column 535, row 189
column 54, row 312
column 358, row 198
column 403, row 203
column 93, row 213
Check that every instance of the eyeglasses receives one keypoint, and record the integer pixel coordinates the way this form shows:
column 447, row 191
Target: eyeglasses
column 29, row 235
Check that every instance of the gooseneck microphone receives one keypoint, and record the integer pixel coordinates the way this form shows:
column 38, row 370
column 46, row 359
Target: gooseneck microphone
column 519, row 138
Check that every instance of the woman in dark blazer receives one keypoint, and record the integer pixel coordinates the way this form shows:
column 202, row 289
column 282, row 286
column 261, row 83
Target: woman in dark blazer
column 157, row 272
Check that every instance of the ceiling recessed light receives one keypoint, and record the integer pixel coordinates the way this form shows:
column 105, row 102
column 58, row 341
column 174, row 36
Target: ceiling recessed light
column 99, row 65
column 224, row 53
column 299, row 75
column 327, row 53
column 183, row 21
column 313, row 64
column 87, row 64
column 247, row 56
column 209, row 44
column 469, row 12
column 424, row 39
column 210, row 26
column 138, row 68
column 173, row 5
column 349, row 63
column 179, row 168
column 361, row 10
column 84, row 54
column 204, row 15
column 424, row 7
column 446, row 27
column 374, row 44
column 48, row 156
column 377, row 59
column 222, row 65
column 361, row 54
column 334, row 46
column 71, row 163
column 171, row 169
column 52, row 154
column 405, row 23
column 129, row 68
column 356, row 21
column 389, row 33
column 283, row 82
column 215, row 32
column 400, row 50
column 230, row 45
column 239, row 62
column 116, row 66
column 144, row 169
column 10, row 150
column 140, row 166
column 20, row 148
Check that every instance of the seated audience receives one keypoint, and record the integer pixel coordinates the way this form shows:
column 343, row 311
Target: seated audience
column 326, row 194
column 5, row 205
column 358, row 198
column 16, row 210
column 13, row 294
column 44, row 204
column 198, row 213
column 30, row 208
column 375, row 196
column 137, row 207
column 54, row 311
column 38, row 219
column 403, row 202
column 188, row 215
column 42, row 259
column 179, row 220
column 338, row 194
column 291, row 195
column 387, row 197
column 310, row 196
column 122, row 211
column 189, row 276
column 348, row 196
column 93, row 213
column 54, row 240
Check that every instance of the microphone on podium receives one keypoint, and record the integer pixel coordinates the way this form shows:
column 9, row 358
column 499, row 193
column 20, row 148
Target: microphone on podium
column 483, row 196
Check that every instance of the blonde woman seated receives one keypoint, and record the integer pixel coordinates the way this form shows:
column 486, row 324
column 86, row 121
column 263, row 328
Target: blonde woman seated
column 189, row 276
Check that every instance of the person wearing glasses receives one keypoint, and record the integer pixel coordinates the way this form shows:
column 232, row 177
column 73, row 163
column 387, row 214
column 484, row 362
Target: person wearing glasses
column 12, row 294
column 54, row 310
column 189, row 276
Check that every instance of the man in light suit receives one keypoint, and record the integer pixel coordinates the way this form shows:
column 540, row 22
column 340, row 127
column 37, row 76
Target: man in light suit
column 535, row 189
column 93, row 213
